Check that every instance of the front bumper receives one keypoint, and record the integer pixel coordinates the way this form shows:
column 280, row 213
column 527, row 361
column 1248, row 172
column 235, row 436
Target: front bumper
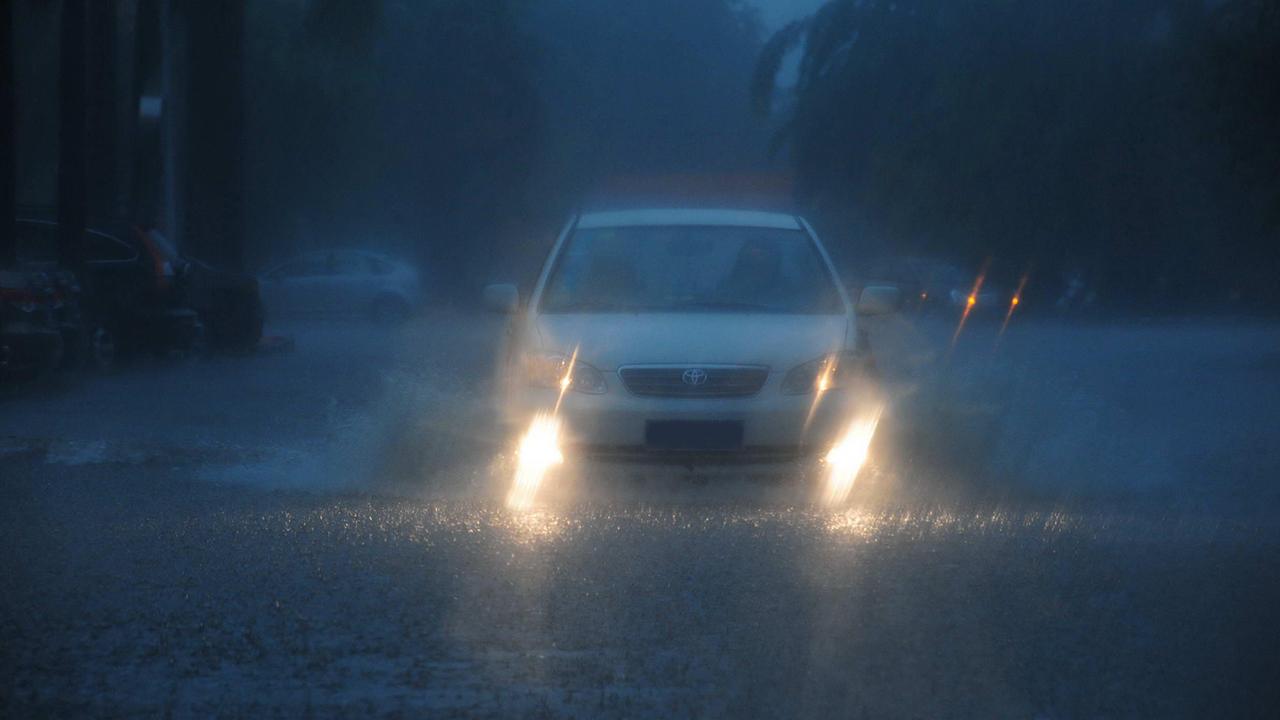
column 775, row 426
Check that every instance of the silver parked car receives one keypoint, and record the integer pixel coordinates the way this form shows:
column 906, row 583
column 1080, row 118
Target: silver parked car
column 334, row 283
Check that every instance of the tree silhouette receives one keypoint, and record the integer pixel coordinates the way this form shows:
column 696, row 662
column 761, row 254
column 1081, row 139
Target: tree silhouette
column 1069, row 134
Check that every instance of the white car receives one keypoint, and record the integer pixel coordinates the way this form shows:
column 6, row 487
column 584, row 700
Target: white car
column 708, row 332
column 341, row 283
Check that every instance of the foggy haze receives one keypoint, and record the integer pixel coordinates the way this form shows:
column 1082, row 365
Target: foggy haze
column 776, row 13
column 640, row 358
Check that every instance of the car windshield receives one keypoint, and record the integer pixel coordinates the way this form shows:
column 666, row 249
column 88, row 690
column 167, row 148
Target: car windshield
column 690, row 269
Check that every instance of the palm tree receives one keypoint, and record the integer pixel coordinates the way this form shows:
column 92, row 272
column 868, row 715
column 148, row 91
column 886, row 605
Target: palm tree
column 858, row 65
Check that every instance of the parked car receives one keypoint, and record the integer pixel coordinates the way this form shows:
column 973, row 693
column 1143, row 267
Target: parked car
column 229, row 304
column 987, row 298
column 933, row 284
column 30, row 342
column 129, row 301
column 60, row 291
column 1001, row 281
column 708, row 332
column 342, row 283
column 926, row 283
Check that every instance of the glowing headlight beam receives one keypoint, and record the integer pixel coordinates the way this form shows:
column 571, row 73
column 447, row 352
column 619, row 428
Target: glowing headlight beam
column 821, row 384
column 538, row 452
column 845, row 460
column 539, row 448
column 566, row 381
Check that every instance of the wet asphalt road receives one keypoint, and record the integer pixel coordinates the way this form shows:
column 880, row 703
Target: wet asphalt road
column 1077, row 522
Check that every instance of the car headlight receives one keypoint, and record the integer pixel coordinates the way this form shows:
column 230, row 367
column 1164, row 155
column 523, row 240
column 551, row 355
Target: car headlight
column 821, row 374
column 552, row 370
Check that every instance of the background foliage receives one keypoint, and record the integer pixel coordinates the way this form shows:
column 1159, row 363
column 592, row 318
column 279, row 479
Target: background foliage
column 1134, row 141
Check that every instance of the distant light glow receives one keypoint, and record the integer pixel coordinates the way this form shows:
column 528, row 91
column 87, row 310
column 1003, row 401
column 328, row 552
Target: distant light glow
column 1013, row 304
column 970, row 301
column 847, row 457
column 538, row 452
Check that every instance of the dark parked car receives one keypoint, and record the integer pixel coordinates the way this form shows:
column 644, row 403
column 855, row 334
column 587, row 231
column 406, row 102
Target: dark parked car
column 228, row 303
column 139, row 295
column 925, row 283
column 30, row 342
column 127, row 304
column 929, row 284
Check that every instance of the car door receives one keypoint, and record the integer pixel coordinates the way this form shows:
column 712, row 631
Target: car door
column 120, row 286
column 295, row 289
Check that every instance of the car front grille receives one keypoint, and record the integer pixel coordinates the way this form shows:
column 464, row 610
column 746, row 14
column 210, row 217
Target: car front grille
column 694, row 381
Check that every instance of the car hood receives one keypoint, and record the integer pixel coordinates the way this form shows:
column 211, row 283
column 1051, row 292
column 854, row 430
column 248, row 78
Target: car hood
column 608, row 341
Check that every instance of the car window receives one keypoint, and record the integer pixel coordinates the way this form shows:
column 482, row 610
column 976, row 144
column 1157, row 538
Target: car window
column 301, row 268
column 100, row 247
column 691, row 269
column 346, row 263
column 38, row 243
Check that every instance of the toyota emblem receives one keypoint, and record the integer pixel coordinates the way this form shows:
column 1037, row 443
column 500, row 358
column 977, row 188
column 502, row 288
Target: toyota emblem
column 694, row 376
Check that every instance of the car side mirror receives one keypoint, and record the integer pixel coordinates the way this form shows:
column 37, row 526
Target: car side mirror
column 502, row 298
column 879, row 300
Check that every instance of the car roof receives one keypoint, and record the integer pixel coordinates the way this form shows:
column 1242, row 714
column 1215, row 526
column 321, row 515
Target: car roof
column 118, row 230
column 688, row 216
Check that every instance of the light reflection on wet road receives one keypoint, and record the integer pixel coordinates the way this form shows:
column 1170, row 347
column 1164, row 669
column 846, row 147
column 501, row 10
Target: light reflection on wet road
column 145, row 574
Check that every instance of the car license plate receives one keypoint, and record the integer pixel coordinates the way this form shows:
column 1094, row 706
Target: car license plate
column 693, row 435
